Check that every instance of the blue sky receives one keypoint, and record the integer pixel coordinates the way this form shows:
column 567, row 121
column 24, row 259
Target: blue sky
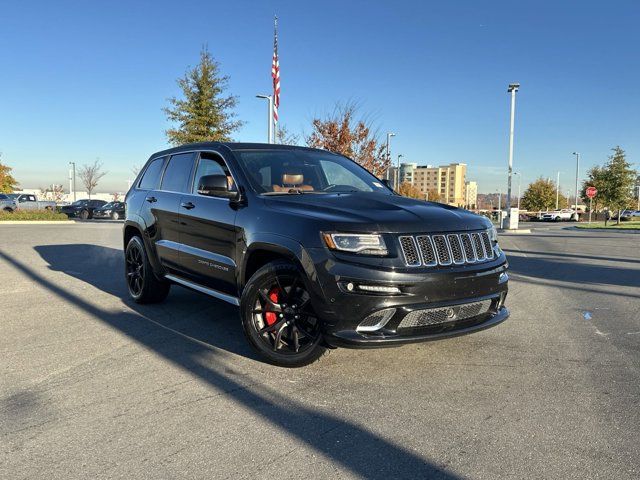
column 81, row 80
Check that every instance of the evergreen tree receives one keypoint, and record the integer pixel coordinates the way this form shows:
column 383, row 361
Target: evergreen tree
column 205, row 113
column 617, row 179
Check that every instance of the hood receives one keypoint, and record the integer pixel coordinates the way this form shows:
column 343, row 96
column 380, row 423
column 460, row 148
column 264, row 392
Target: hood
column 378, row 212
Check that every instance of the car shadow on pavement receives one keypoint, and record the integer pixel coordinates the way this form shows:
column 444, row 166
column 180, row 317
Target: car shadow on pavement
column 359, row 450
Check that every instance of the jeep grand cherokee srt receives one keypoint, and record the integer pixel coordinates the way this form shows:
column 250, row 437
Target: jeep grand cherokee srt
column 315, row 250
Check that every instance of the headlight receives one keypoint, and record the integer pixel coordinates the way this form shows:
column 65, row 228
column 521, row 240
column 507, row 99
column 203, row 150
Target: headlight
column 493, row 234
column 364, row 244
column 108, row 212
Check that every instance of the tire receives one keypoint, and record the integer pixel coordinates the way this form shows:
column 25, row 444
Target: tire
column 115, row 216
column 285, row 334
column 142, row 284
column 8, row 210
column 84, row 214
column 557, row 219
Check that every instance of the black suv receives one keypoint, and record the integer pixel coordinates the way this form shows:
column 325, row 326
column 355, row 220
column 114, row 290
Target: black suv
column 315, row 250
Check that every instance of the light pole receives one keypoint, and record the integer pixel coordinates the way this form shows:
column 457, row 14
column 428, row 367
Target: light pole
column 519, row 180
column 513, row 88
column 500, row 209
column 577, row 172
column 638, row 187
column 389, row 135
column 397, row 180
column 270, row 117
column 72, row 183
column 557, row 190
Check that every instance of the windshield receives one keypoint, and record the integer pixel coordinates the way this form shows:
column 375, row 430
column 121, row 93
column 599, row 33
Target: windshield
column 273, row 172
column 109, row 205
column 3, row 197
column 12, row 196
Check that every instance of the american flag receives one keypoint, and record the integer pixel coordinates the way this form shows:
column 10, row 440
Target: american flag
column 275, row 72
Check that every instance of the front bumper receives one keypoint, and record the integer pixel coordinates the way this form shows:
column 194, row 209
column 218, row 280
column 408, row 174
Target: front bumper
column 101, row 214
column 342, row 311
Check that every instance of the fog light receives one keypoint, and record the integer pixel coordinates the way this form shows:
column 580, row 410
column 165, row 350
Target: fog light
column 379, row 289
column 503, row 278
column 350, row 286
column 376, row 320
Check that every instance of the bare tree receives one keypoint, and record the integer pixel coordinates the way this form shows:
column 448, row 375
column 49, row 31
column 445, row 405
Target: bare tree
column 56, row 192
column 91, row 175
column 284, row 137
column 135, row 170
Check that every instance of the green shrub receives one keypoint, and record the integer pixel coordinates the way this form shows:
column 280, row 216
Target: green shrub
column 24, row 215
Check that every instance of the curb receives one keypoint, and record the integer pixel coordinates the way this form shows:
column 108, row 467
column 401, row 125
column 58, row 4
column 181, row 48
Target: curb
column 36, row 222
column 615, row 230
column 514, row 232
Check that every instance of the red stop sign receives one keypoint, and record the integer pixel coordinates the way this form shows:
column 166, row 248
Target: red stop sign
column 591, row 192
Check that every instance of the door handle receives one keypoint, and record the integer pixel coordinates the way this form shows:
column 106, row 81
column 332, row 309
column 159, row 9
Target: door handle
column 187, row 205
column 151, row 199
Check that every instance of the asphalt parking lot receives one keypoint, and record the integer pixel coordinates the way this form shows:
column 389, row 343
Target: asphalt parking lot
column 94, row 386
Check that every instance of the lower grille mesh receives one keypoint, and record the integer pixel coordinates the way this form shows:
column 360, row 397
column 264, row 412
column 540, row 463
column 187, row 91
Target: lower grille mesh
column 440, row 315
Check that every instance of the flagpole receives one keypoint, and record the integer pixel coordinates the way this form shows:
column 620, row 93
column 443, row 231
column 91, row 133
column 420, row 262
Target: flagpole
column 275, row 74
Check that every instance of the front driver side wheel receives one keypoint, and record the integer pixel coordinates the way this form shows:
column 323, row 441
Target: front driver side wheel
column 277, row 316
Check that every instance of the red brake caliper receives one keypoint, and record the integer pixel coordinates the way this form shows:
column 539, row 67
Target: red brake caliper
column 271, row 317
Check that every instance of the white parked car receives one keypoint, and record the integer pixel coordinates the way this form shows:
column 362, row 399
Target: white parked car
column 564, row 215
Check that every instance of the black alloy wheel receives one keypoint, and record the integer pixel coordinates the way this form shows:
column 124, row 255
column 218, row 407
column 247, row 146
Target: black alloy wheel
column 143, row 285
column 278, row 318
column 84, row 214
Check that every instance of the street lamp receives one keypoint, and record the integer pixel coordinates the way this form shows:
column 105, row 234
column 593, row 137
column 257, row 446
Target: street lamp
column 513, row 88
column 577, row 171
column 558, row 190
column 519, row 180
column 270, row 117
column 389, row 135
column 397, row 179
column 72, row 183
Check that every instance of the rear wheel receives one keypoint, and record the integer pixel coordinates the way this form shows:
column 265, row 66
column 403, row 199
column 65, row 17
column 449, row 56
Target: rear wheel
column 277, row 316
column 143, row 285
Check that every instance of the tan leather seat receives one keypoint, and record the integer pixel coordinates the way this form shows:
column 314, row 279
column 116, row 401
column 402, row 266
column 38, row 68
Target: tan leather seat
column 292, row 180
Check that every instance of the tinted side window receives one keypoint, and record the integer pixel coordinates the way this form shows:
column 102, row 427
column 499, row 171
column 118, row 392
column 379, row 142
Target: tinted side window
column 151, row 176
column 176, row 175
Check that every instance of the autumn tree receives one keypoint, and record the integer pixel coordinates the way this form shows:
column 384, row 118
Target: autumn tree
column 7, row 183
column 408, row 190
column 541, row 195
column 90, row 175
column 345, row 133
column 205, row 111
column 433, row 195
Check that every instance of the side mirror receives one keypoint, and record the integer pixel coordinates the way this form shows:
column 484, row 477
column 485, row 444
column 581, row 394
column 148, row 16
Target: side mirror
column 215, row 186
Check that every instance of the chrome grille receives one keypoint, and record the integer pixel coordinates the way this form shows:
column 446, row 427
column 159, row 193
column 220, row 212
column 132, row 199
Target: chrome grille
column 479, row 247
column 446, row 249
column 442, row 250
column 427, row 251
column 410, row 252
column 436, row 316
column 467, row 244
column 487, row 245
column 456, row 249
